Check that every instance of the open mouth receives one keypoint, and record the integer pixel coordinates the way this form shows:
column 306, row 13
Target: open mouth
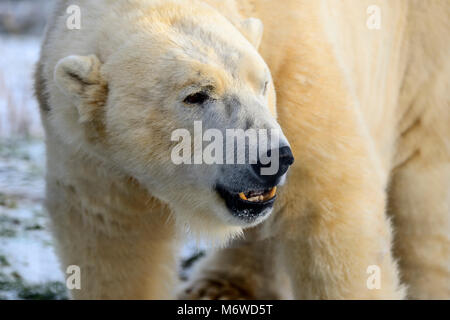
column 249, row 205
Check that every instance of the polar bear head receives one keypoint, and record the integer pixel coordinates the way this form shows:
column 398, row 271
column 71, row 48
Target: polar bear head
column 167, row 98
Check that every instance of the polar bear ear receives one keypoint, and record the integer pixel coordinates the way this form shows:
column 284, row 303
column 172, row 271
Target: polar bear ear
column 79, row 78
column 74, row 74
column 253, row 29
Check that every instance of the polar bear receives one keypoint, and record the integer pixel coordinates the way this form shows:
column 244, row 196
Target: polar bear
column 363, row 108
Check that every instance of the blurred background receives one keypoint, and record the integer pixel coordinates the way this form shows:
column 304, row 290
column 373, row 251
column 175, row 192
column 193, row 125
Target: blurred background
column 29, row 268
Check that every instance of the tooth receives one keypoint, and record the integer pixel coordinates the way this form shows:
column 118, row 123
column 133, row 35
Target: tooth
column 272, row 192
column 259, row 197
column 242, row 196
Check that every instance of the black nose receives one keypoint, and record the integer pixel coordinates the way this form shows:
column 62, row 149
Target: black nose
column 269, row 170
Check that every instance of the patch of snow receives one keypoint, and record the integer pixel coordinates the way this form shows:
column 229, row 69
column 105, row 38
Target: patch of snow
column 25, row 241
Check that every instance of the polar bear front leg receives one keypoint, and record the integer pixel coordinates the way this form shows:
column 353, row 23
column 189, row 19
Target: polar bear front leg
column 338, row 246
column 335, row 238
column 420, row 206
column 125, row 253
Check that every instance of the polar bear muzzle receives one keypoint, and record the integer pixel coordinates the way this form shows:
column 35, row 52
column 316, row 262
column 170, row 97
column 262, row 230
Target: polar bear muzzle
column 254, row 195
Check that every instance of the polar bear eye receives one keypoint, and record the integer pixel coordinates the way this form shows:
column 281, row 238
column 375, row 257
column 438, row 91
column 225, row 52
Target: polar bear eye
column 196, row 98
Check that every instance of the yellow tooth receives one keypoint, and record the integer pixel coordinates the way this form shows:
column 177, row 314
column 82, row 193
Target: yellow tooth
column 242, row 196
column 272, row 193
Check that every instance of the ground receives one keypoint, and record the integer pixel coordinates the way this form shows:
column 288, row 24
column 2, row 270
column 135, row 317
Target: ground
column 28, row 266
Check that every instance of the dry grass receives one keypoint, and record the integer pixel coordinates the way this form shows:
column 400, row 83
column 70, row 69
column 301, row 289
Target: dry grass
column 17, row 119
column 19, row 116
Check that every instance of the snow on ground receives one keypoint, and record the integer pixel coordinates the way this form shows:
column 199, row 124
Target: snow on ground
column 28, row 266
